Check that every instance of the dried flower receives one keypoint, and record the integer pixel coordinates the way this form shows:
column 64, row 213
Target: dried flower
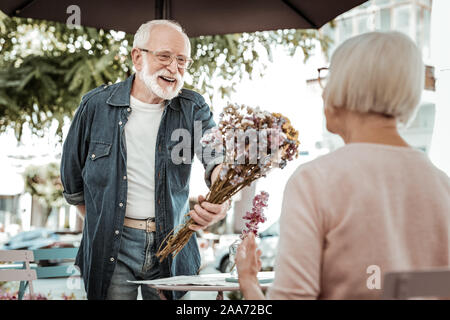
column 256, row 215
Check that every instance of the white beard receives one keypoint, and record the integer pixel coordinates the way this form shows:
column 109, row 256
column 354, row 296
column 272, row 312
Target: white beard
column 150, row 81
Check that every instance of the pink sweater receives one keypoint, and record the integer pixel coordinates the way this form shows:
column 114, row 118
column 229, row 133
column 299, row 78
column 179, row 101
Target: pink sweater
column 360, row 206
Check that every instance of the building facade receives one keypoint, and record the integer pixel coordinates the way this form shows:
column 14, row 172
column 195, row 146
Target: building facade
column 412, row 17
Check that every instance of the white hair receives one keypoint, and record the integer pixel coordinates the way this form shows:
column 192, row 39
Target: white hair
column 143, row 33
column 380, row 72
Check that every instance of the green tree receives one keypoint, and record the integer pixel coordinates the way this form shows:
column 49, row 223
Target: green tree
column 45, row 67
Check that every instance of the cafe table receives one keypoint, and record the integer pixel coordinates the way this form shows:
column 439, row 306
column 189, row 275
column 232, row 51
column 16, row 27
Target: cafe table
column 219, row 282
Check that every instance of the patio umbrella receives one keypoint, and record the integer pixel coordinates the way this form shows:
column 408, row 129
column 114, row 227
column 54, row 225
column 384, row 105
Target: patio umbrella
column 198, row 17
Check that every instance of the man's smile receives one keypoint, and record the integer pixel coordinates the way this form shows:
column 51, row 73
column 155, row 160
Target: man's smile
column 168, row 79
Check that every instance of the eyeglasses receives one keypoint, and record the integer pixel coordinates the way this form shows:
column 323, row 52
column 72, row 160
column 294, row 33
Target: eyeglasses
column 323, row 76
column 166, row 58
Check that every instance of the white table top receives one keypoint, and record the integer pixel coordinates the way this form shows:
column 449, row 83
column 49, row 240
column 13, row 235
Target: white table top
column 203, row 282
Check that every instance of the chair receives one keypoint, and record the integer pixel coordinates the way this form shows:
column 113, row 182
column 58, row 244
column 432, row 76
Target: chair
column 414, row 284
column 52, row 271
column 25, row 274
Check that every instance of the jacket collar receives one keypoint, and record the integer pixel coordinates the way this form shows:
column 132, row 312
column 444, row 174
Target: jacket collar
column 120, row 97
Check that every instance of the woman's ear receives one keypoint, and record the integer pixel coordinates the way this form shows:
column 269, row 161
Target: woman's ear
column 331, row 117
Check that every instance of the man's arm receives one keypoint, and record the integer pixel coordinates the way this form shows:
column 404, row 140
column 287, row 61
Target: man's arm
column 205, row 213
column 81, row 210
column 73, row 158
column 210, row 157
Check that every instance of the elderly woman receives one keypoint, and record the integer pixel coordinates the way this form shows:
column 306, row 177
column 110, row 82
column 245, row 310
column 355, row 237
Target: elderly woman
column 373, row 206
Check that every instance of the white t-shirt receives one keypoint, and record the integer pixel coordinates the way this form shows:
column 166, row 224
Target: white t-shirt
column 141, row 132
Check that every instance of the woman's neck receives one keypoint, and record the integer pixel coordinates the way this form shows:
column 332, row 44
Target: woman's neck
column 370, row 128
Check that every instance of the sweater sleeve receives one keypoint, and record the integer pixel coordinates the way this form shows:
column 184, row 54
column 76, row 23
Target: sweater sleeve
column 298, row 260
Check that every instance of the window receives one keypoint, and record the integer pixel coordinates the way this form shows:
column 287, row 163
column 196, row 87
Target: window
column 383, row 21
column 402, row 19
column 426, row 33
column 345, row 29
column 382, row 2
column 363, row 24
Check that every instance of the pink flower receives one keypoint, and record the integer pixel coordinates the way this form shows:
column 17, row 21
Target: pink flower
column 256, row 215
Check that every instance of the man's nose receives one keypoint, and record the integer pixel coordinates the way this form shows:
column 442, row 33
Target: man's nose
column 173, row 66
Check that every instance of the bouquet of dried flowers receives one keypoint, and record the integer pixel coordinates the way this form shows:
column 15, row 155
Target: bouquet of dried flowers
column 254, row 142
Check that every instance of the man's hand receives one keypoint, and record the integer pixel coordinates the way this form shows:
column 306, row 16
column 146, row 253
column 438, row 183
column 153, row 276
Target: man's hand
column 206, row 214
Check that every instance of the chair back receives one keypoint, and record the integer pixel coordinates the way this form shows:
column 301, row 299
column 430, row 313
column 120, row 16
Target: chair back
column 55, row 254
column 46, row 272
column 417, row 284
column 22, row 273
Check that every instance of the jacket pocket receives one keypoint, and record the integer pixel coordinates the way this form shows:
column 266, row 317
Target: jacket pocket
column 97, row 168
column 98, row 150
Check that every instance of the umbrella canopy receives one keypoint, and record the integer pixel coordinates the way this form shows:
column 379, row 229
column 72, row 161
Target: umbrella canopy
column 198, row 17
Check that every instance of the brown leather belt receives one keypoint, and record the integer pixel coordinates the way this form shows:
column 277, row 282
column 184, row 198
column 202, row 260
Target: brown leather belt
column 148, row 225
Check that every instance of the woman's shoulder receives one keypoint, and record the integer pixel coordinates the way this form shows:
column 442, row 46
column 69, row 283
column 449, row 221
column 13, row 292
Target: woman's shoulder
column 332, row 160
column 353, row 157
column 355, row 160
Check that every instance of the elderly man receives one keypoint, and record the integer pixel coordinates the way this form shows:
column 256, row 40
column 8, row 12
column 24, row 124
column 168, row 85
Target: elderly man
column 117, row 168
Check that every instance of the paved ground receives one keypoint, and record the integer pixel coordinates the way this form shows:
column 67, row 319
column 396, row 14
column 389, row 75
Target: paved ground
column 55, row 289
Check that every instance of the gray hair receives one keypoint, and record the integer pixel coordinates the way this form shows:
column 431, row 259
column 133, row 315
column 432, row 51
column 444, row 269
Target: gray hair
column 143, row 33
column 379, row 72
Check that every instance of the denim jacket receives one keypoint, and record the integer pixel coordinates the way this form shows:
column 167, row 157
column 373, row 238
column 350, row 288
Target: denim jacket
column 93, row 173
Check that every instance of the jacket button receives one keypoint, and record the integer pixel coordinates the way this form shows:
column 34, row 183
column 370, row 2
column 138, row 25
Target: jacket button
column 117, row 232
column 93, row 156
column 121, row 204
column 129, row 109
column 124, row 177
column 120, row 123
column 111, row 259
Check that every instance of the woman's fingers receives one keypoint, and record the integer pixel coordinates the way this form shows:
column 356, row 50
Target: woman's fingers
column 258, row 253
column 251, row 241
column 240, row 252
column 258, row 259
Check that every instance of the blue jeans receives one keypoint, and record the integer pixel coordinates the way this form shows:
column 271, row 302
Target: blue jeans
column 136, row 261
